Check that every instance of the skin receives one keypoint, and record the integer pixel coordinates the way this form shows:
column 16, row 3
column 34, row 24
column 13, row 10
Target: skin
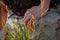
column 36, row 11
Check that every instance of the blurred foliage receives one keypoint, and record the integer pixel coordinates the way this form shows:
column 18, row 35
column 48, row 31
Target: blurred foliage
column 15, row 29
column 19, row 33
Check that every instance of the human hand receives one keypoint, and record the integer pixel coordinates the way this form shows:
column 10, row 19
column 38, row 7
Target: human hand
column 32, row 14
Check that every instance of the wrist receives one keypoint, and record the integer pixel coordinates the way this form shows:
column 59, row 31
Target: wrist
column 44, row 4
column 43, row 11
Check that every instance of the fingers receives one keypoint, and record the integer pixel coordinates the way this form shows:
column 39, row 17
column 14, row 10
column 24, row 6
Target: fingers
column 27, row 19
column 28, row 25
column 26, row 14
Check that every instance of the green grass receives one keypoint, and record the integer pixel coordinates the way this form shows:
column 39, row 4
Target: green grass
column 19, row 33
